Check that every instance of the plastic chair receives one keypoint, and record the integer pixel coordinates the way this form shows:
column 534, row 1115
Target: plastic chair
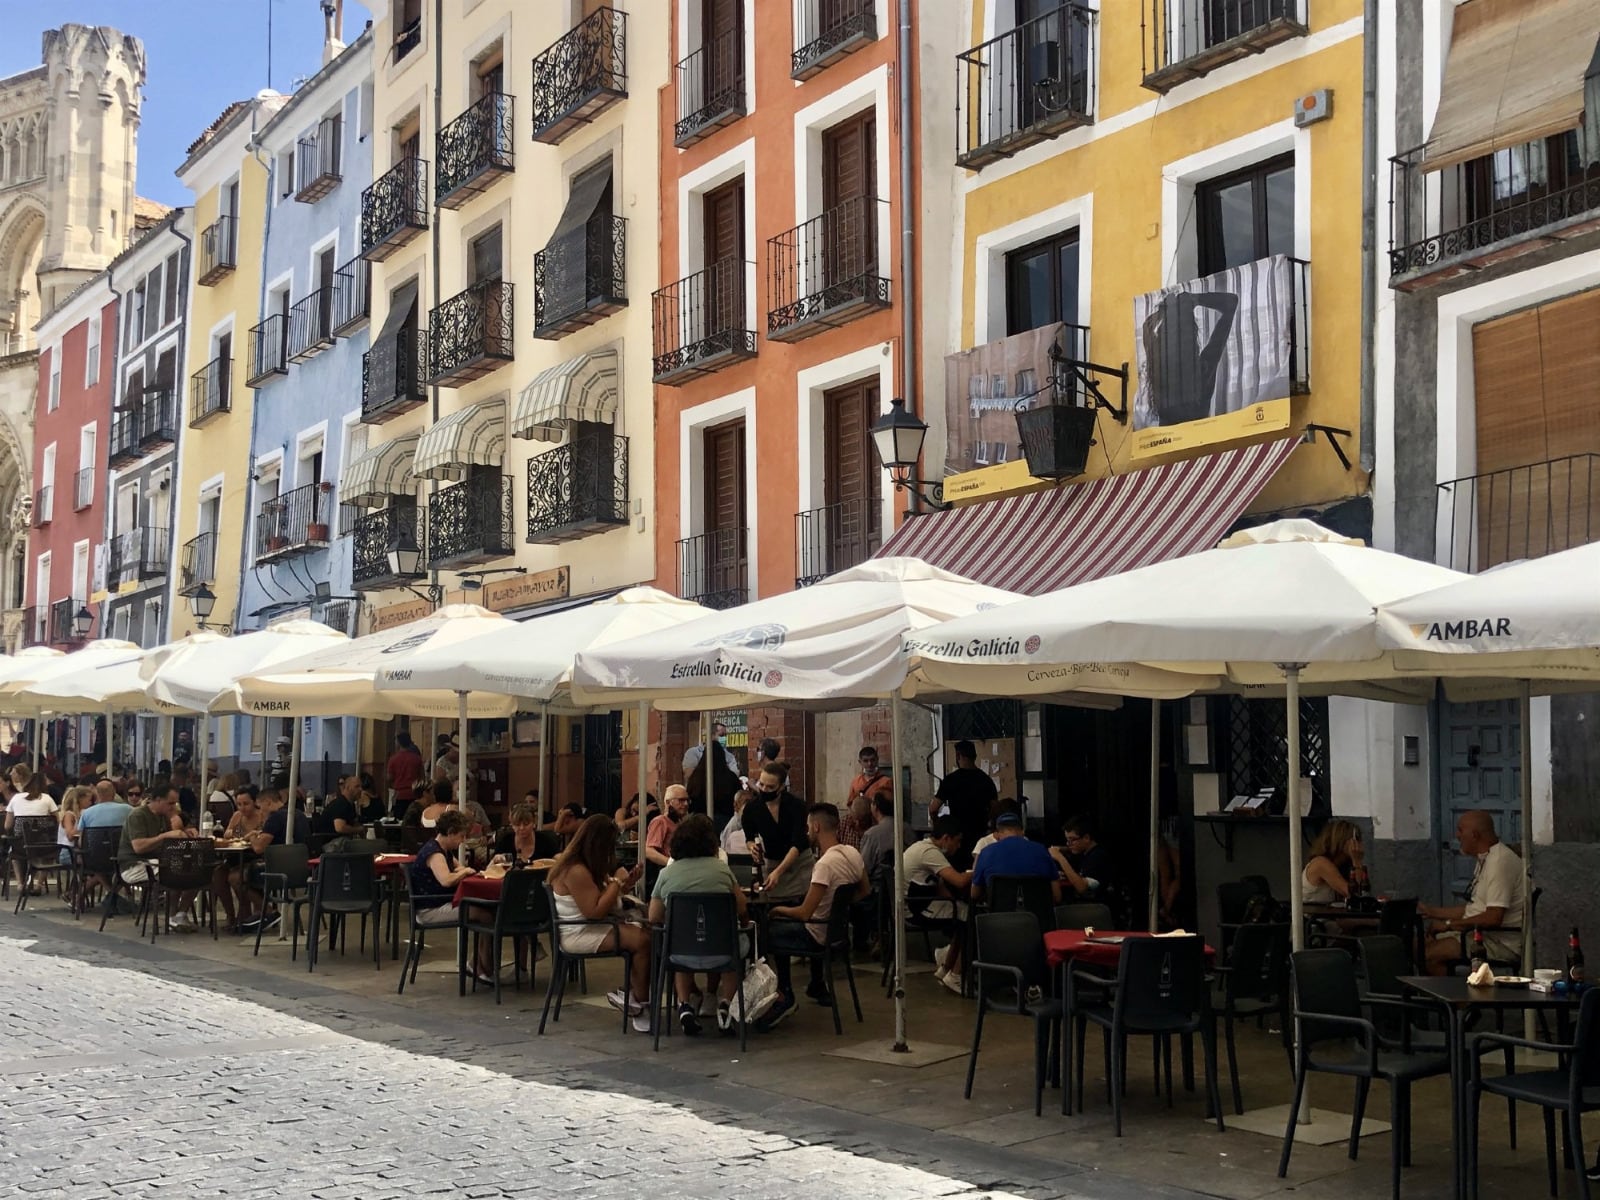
column 34, row 850
column 1023, row 893
column 701, row 934
column 182, row 865
column 918, row 897
column 1010, row 962
column 522, row 912
column 1083, row 915
column 564, row 961
column 285, row 882
column 97, row 855
column 1233, row 902
column 346, row 885
column 417, row 935
column 834, row 946
column 1253, row 985
column 1160, row 990
column 1328, row 1007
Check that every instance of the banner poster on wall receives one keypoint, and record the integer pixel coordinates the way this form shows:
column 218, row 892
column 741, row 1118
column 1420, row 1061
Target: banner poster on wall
column 982, row 388
column 1215, row 357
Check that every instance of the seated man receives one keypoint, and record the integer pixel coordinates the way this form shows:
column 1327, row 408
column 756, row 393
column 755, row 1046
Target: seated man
column 142, row 834
column 434, row 876
column 1086, row 864
column 1013, row 854
column 566, row 823
column 274, row 831
column 107, row 812
column 1494, row 901
column 877, row 843
column 342, row 816
column 695, row 868
column 927, row 864
column 804, row 926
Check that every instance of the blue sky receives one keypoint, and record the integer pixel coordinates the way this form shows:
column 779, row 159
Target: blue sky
column 200, row 56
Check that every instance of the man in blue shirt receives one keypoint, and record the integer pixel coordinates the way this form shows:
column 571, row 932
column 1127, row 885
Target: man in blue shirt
column 107, row 812
column 1013, row 854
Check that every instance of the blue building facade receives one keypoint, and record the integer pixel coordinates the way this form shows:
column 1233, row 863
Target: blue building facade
column 304, row 361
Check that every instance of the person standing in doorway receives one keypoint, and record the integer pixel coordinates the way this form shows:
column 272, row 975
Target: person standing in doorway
column 969, row 794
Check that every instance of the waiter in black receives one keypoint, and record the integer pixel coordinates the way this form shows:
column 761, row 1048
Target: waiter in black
column 969, row 794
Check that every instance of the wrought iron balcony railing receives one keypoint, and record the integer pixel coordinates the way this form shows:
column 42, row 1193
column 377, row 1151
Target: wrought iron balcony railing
column 474, row 150
column 311, row 325
column 1185, row 39
column 138, row 555
column 1028, row 84
column 317, row 160
column 713, row 568
column 370, row 538
column 394, row 209
column 700, row 324
column 392, row 374
column 827, row 30
column 294, row 522
column 826, row 272
column 340, row 615
column 218, row 250
column 44, row 506
column 151, row 422
column 1447, row 222
column 580, row 277
column 352, row 296
column 835, row 536
column 63, row 620
column 579, row 488
column 580, row 75
column 710, row 87
column 210, row 391
column 199, row 562
column 269, row 350
column 470, row 522
column 34, row 619
column 83, row 489
column 471, row 334
column 1519, row 512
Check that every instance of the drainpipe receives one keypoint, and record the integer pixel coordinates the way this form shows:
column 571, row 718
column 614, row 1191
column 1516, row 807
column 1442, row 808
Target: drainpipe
column 1369, row 233
column 261, row 306
column 908, row 277
column 182, row 357
column 438, row 215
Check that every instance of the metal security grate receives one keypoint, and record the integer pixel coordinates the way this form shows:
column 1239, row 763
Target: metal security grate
column 1258, row 753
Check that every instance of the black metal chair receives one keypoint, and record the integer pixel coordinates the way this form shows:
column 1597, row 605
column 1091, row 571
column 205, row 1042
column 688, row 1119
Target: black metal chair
column 1023, row 893
column 835, row 946
column 1009, row 965
column 346, row 885
column 285, row 883
column 182, row 865
column 1083, row 915
column 522, row 913
column 1571, row 1089
column 1253, row 985
column 918, row 897
column 35, row 852
column 701, row 934
column 417, row 936
column 97, row 857
column 1233, row 905
column 565, row 962
column 1328, row 1007
column 1161, row 990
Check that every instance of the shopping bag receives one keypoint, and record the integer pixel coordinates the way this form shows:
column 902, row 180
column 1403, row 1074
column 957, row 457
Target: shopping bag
column 760, row 990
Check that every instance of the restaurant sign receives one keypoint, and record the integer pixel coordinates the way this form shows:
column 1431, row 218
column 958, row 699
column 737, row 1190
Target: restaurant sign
column 524, row 591
column 402, row 613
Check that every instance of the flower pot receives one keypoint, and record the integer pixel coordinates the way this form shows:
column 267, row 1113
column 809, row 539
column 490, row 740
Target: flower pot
column 317, row 532
column 277, row 542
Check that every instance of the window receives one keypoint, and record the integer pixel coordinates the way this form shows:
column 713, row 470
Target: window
column 407, row 27
column 151, row 633
column 285, row 174
column 152, row 305
column 1246, row 216
column 491, row 73
column 136, row 316
column 1042, row 283
column 91, row 354
column 122, row 622
column 486, row 257
column 170, row 307
column 53, row 401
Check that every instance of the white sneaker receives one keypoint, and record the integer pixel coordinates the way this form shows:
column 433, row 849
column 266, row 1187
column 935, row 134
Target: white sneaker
column 708, row 1005
column 616, row 999
column 697, row 1001
column 940, row 971
column 641, row 1021
column 952, row 980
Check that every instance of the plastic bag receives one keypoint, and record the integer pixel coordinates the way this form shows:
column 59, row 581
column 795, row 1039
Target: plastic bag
column 760, row 989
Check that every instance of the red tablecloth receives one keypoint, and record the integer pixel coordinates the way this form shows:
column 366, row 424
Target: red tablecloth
column 478, row 887
column 1063, row 944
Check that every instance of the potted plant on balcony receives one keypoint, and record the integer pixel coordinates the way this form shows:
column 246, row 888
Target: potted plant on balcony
column 316, row 529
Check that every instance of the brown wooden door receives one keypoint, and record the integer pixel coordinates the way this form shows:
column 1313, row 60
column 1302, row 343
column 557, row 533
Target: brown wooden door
column 722, row 45
column 854, row 517
column 723, row 559
column 848, row 182
column 724, row 257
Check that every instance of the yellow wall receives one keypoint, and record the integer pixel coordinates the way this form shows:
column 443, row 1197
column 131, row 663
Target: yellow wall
column 222, row 445
column 1123, row 172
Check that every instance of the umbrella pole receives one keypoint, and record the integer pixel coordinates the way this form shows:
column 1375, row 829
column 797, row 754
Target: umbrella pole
column 1155, row 813
column 1525, row 719
column 205, row 759
column 38, row 735
column 643, row 781
column 461, row 779
column 1297, row 915
column 710, row 778
column 544, row 745
column 294, row 782
column 111, row 744
column 899, row 877
column 266, row 775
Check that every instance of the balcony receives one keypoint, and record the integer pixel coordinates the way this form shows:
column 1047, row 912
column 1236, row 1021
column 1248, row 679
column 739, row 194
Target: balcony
column 391, row 376
column 826, row 272
column 295, row 522
column 151, row 422
column 827, row 30
column 218, row 250
column 370, row 537
column 1185, row 39
column 475, row 150
column 580, row 76
column 1026, row 86
column 352, row 296
column 471, row 334
column 1520, row 512
column 83, row 489
column 578, row 488
column 710, row 88
column 138, row 555
column 394, row 210
column 1470, row 215
column 32, row 627
column 341, row 615
column 311, row 325
column 44, row 506
column 713, row 568
column 580, row 277
column 63, row 621
column 199, row 563
column 269, row 343
column 835, row 536
column 210, row 391
column 470, row 522
column 316, row 161
column 700, row 324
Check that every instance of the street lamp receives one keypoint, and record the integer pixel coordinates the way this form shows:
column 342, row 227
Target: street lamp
column 405, row 556
column 202, row 601
column 81, row 623
column 897, row 437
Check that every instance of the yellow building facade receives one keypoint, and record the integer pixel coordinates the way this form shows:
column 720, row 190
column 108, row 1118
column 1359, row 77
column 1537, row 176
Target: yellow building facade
column 1109, row 163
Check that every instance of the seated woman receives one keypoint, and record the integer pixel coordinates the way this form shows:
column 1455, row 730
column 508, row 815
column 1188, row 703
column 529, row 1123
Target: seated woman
column 370, row 806
column 520, row 843
column 695, row 867
column 589, row 887
column 247, row 816
column 1335, row 855
column 627, row 816
column 434, row 876
column 433, row 801
column 72, row 805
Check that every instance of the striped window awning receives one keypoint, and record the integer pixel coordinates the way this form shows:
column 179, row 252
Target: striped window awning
column 1049, row 540
column 380, row 474
column 474, row 436
column 581, row 389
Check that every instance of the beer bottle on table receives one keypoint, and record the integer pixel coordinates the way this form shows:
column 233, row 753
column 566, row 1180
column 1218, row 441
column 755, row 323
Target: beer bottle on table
column 1479, row 955
column 1574, row 960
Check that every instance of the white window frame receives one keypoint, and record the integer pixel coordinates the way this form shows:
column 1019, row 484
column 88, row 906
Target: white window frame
column 88, row 444
column 689, row 18
column 91, row 352
column 81, row 549
column 42, row 575
column 989, row 260
column 740, row 161
column 310, row 441
column 811, row 384
column 53, row 396
column 692, row 424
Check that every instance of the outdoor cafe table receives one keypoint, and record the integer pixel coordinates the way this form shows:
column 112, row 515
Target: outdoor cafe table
column 1459, row 998
column 388, row 865
column 1064, row 947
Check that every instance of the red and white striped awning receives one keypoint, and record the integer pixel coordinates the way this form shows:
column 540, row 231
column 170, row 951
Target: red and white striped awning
column 1045, row 541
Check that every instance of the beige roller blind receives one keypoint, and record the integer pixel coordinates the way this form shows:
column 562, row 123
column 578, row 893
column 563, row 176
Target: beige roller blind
column 1514, row 75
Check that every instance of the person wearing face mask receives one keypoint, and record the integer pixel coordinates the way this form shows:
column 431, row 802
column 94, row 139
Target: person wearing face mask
column 778, row 818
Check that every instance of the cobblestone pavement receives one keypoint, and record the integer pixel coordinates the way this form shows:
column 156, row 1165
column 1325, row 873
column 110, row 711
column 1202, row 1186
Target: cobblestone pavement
column 118, row 1077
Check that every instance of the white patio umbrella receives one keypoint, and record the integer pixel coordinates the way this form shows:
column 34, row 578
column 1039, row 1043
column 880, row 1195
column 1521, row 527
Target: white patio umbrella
column 103, row 677
column 18, row 665
column 38, row 663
